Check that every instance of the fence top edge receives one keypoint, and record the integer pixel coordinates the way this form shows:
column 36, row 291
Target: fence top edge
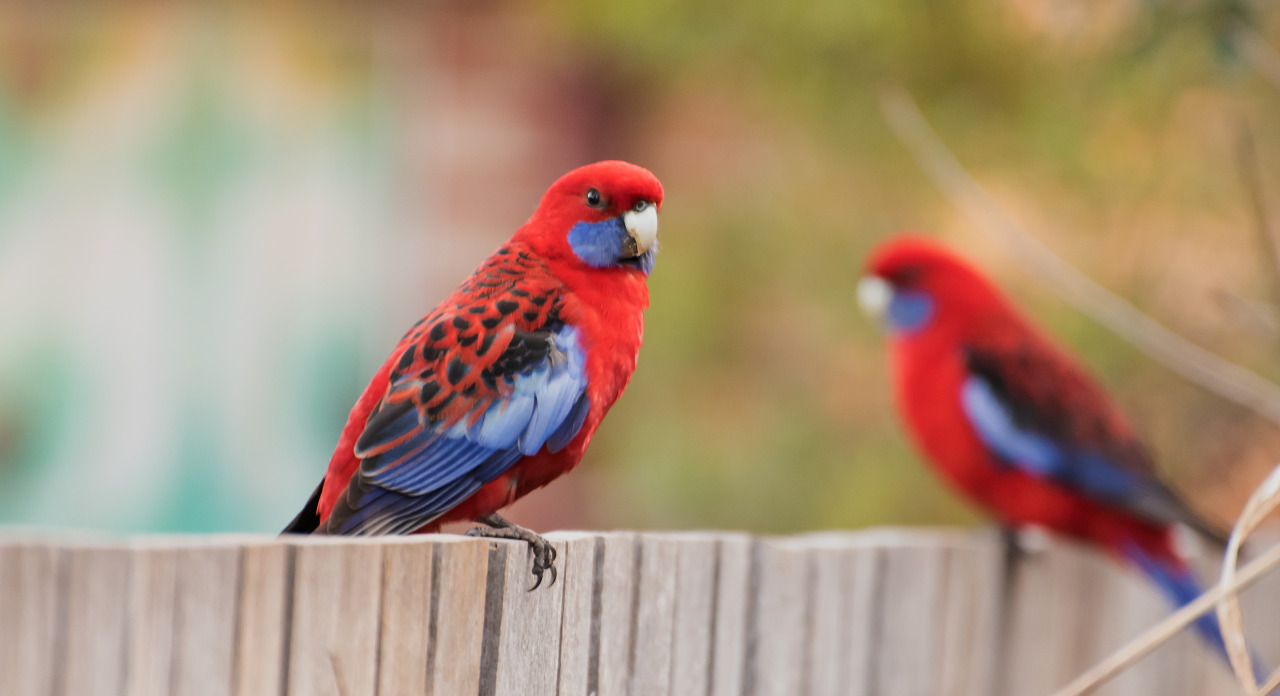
column 892, row 537
column 875, row 537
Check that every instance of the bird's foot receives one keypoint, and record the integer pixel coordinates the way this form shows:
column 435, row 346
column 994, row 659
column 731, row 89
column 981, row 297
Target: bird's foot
column 544, row 554
column 1030, row 542
column 1022, row 545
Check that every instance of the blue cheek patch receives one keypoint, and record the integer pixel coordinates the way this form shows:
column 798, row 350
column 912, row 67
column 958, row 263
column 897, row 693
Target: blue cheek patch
column 598, row 244
column 909, row 311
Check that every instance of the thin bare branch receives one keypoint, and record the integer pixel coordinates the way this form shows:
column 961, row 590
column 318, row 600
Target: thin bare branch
column 1193, row 362
column 1262, row 503
column 1142, row 645
column 1257, row 317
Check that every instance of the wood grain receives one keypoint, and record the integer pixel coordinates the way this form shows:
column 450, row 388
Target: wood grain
column 777, row 622
column 204, row 627
column 337, row 590
column 632, row 614
column 32, row 598
column 732, row 603
column 262, row 618
column 693, row 614
column 527, row 642
column 96, row 628
column 578, row 568
column 654, row 614
column 610, row 672
column 406, row 615
column 457, row 626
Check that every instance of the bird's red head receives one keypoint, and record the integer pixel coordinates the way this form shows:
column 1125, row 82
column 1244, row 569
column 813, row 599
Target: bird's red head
column 920, row 287
column 602, row 215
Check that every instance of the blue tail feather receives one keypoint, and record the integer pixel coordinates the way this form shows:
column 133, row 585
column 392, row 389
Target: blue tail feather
column 1180, row 587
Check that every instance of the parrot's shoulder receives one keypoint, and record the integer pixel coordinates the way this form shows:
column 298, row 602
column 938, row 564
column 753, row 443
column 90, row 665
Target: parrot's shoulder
column 514, row 272
column 500, row 324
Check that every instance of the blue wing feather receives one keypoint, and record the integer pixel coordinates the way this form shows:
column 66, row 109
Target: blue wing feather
column 1039, row 455
column 503, row 422
column 435, row 468
column 383, row 511
column 556, row 398
column 572, row 424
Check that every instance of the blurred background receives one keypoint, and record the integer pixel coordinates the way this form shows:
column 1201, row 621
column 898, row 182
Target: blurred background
column 217, row 219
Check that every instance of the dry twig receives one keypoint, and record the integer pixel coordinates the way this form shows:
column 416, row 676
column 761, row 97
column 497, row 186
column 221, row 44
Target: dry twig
column 1166, row 629
column 1263, row 501
column 1194, row 363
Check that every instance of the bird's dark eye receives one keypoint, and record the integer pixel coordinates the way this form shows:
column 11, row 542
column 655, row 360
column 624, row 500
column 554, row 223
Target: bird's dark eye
column 594, row 199
column 908, row 277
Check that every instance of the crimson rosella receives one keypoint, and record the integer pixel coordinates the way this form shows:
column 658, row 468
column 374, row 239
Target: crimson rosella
column 499, row 389
column 1017, row 424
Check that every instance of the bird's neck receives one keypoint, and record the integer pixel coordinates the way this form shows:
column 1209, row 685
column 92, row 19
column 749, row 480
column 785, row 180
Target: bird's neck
column 607, row 305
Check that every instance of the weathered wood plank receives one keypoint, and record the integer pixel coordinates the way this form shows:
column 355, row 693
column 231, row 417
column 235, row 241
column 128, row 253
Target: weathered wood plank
column 610, row 669
column 694, row 614
column 204, row 629
column 153, row 593
column 830, row 557
column 1070, row 607
column 526, row 654
column 578, row 573
column 776, row 624
column 1044, row 608
column 911, row 622
column 859, row 614
column 406, row 616
column 732, row 603
column 97, row 604
column 457, row 608
column 862, row 616
column 266, row 591
column 651, row 657
column 31, row 599
column 971, row 597
column 337, row 587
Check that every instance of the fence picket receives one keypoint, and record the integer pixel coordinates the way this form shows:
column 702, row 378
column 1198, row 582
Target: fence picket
column 528, row 640
column 31, row 598
column 457, row 629
column 262, row 619
column 631, row 614
column 96, row 632
column 577, row 567
column 406, row 616
column 337, row 588
column 693, row 614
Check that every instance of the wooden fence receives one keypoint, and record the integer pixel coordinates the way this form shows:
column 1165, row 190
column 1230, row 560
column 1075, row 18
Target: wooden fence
column 881, row 612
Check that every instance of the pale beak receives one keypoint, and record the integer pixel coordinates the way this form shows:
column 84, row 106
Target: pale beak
column 874, row 294
column 642, row 225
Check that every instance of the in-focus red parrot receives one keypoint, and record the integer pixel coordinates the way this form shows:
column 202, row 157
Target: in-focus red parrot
column 1015, row 423
column 499, row 389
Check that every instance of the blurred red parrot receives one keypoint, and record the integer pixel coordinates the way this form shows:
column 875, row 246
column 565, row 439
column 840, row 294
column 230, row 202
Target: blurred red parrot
column 1017, row 424
column 499, row 389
